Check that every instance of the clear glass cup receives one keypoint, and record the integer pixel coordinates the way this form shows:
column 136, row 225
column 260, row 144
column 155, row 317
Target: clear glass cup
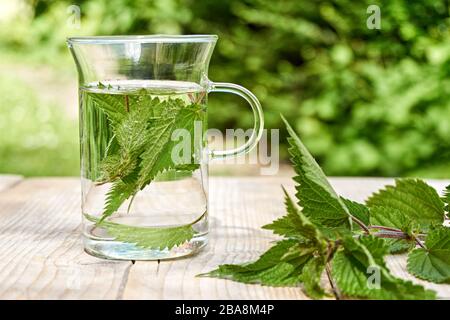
column 144, row 154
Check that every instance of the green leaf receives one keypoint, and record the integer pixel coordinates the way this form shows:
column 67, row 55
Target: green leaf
column 315, row 195
column 359, row 271
column 312, row 272
column 119, row 192
column 432, row 263
column 132, row 132
column 272, row 268
column 296, row 225
column 290, row 261
column 148, row 238
column 112, row 105
column 377, row 247
column 411, row 198
column 357, row 210
column 158, row 154
column 144, row 135
column 115, row 166
column 397, row 246
column 391, row 217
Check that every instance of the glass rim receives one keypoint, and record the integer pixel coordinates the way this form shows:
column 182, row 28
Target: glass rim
column 157, row 38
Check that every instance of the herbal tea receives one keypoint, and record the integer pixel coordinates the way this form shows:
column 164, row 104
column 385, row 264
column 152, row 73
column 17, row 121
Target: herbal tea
column 142, row 168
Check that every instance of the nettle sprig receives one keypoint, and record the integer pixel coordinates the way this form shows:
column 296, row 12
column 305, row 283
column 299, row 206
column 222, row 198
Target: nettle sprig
column 139, row 150
column 348, row 241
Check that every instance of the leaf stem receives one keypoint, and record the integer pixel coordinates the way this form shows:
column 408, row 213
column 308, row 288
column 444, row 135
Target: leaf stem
column 391, row 234
column 361, row 224
column 334, row 287
column 331, row 249
column 417, row 240
column 396, row 233
column 385, row 228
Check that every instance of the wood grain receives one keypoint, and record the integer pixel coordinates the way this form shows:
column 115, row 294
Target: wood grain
column 41, row 255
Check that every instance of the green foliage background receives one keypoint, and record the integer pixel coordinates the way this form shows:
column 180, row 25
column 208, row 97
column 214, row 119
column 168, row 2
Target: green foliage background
column 366, row 102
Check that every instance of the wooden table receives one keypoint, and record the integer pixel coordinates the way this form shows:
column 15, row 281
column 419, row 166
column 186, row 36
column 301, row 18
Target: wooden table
column 41, row 255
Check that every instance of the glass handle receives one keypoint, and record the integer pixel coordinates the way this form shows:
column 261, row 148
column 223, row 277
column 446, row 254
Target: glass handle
column 257, row 114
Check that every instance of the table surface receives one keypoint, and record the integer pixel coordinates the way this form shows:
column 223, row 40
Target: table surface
column 41, row 254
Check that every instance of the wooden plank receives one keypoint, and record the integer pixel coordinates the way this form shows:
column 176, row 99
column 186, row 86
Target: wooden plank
column 41, row 255
column 8, row 180
column 238, row 208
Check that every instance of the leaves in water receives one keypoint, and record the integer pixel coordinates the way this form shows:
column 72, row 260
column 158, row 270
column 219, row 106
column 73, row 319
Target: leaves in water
column 147, row 237
column 143, row 134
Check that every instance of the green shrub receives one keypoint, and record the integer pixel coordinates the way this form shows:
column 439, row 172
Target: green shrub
column 37, row 139
column 366, row 102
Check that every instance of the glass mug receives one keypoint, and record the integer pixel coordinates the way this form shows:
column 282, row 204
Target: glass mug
column 144, row 155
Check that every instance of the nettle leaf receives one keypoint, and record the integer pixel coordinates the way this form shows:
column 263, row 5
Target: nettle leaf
column 432, row 263
column 397, row 246
column 272, row 268
column 283, row 264
column 132, row 132
column 377, row 247
column 391, row 217
column 147, row 238
column 119, row 192
column 158, row 154
column 115, row 166
column 411, row 198
column 112, row 105
column 296, row 225
column 144, row 135
column 320, row 231
column 359, row 271
column 357, row 210
column 312, row 272
column 315, row 195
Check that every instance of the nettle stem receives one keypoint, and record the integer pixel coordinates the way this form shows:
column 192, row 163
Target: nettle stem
column 393, row 233
column 419, row 242
column 331, row 250
column 387, row 232
column 385, row 228
column 361, row 224
column 336, row 292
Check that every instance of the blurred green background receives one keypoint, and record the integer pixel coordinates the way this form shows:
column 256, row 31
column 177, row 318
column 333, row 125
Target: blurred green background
column 366, row 102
